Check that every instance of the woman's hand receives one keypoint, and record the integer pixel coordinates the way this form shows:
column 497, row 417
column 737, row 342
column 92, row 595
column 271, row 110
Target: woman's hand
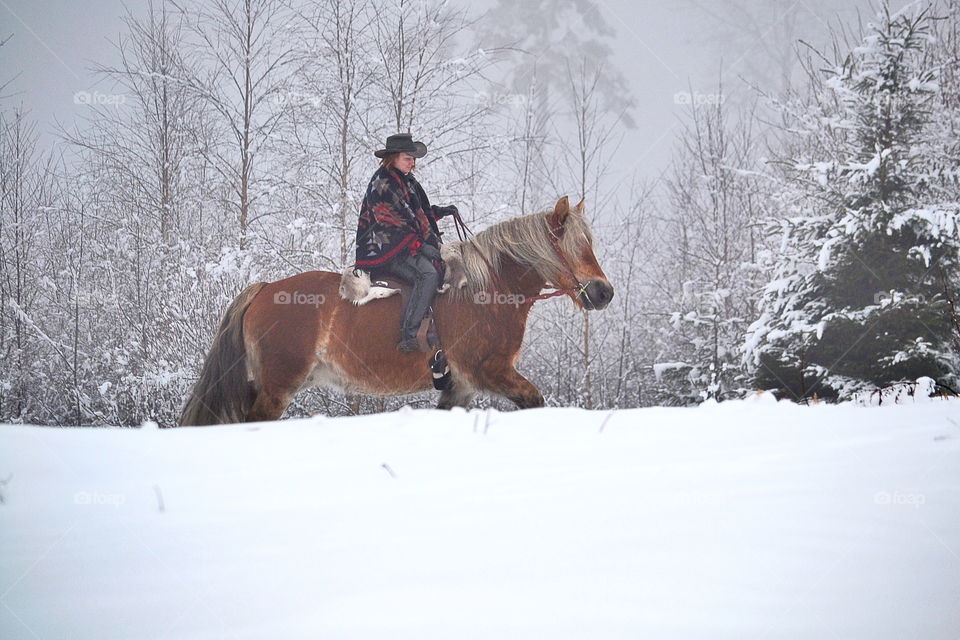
column 441, row 212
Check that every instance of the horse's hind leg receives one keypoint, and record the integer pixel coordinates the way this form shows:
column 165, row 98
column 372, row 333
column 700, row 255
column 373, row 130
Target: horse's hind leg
column 278, row 378
column 511, row 384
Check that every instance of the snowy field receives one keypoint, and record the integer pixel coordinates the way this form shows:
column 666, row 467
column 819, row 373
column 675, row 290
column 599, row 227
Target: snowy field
column 748, row 519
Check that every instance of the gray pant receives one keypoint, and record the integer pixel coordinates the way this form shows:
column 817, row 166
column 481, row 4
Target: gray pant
column 418, row 271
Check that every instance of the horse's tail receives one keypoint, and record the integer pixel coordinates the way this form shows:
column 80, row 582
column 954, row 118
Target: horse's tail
column 223, row 394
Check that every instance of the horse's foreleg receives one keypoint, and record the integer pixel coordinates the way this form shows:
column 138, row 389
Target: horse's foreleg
column 458, row 395
column 516, row 388
column 268, row 406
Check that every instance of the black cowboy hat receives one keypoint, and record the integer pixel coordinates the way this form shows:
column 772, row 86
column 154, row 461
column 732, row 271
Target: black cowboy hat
column 402, row 143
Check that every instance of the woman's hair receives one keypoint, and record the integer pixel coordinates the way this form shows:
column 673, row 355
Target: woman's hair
column 389, row 159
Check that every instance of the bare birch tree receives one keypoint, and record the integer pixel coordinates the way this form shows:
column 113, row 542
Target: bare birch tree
column 244, row 47
column 23, row 191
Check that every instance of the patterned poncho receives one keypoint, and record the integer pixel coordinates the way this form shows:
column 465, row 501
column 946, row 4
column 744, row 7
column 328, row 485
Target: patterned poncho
column 395, row 219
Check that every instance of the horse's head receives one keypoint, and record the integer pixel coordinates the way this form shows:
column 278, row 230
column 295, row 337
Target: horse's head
column 577, row 268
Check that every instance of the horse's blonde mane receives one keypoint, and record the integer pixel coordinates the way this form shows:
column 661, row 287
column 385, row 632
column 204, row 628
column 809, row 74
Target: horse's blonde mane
column 525, row 239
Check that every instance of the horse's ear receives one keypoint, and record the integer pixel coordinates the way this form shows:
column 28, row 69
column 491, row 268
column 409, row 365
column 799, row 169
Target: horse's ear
column 579, row 206
column 560, row 212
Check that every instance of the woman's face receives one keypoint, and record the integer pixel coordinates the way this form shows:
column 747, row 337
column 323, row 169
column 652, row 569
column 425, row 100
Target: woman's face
column 405, row 163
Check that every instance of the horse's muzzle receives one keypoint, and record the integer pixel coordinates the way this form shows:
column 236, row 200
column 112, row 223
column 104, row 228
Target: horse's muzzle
column 596, row 294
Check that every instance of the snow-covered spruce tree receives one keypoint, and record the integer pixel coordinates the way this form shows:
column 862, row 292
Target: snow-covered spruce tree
column 857, row 300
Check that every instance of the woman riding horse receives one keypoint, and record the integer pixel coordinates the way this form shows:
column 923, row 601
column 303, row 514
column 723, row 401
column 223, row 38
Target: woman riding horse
column 397, row 234
column 279, row 338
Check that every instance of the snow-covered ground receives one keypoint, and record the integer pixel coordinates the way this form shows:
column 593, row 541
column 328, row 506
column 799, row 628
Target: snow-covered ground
column 741, row 520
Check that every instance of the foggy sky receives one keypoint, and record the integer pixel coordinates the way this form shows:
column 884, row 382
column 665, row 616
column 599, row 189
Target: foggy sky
column 663, row 48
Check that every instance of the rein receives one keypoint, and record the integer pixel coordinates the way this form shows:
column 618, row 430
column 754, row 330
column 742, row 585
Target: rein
column 463, row 230
column 460, row 226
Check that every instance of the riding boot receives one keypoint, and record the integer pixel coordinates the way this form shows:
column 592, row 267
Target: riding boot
column 420, row 273
column 408, row 345
column 409, row 330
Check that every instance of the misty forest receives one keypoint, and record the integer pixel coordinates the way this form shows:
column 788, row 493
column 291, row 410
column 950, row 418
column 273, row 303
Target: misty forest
column 803, row 236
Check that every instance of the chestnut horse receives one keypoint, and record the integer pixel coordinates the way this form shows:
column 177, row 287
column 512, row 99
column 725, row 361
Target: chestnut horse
column 278, row 338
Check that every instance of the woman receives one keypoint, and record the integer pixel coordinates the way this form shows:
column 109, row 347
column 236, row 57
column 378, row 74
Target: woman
column 397, row 234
